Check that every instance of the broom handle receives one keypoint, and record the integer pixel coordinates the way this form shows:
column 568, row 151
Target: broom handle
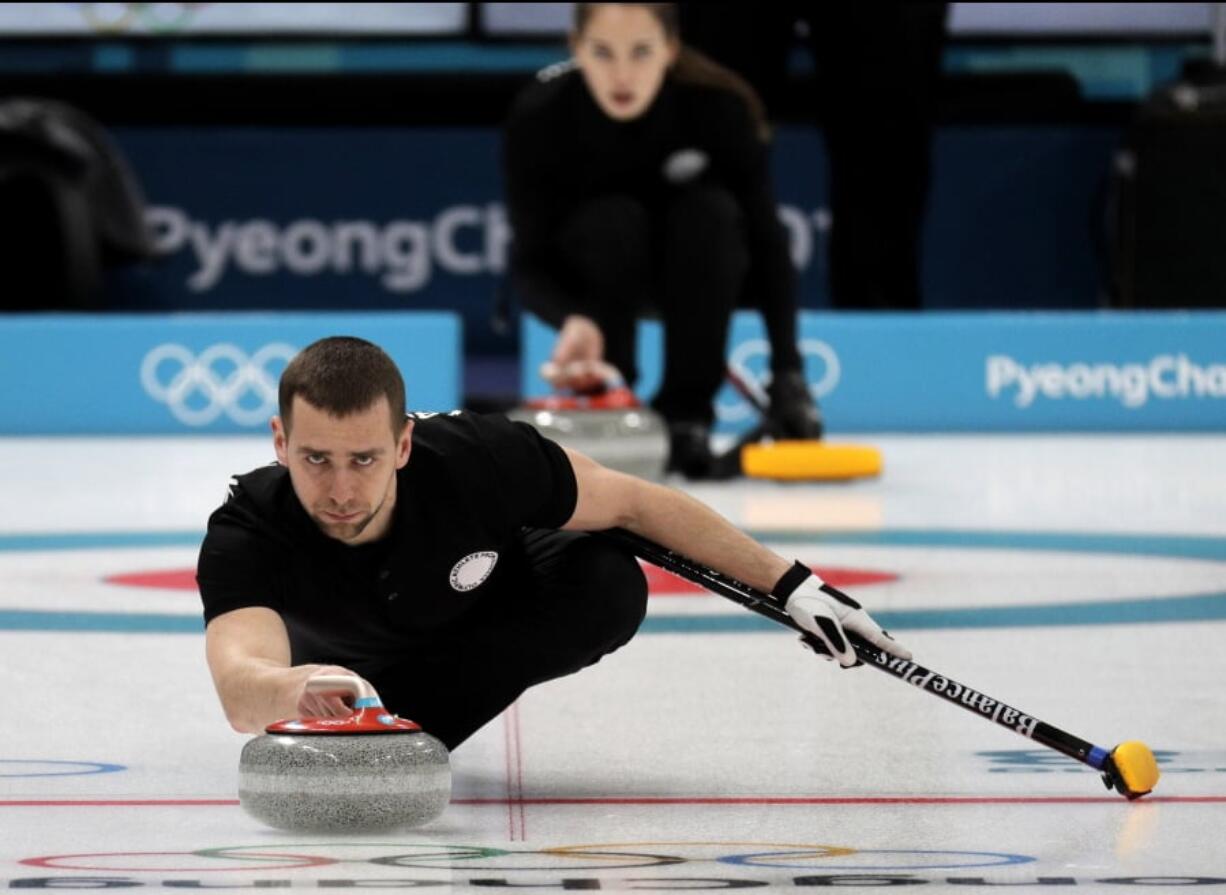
column 947, row 688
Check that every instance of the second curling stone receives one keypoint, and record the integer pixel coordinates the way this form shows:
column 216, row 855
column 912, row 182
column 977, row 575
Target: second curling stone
column 611, row 427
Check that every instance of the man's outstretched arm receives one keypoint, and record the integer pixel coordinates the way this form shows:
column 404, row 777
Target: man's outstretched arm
column 671, row 518
column 609, row 499
column 249, row 657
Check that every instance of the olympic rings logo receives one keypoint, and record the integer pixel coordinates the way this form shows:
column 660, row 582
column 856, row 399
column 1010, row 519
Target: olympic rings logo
column 222, row 379
column 750, row 360
column 616, row 857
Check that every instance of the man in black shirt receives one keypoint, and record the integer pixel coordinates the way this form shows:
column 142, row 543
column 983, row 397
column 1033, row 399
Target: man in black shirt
column 441, row 557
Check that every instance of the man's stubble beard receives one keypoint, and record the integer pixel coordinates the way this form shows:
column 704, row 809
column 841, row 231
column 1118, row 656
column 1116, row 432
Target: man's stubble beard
column 347, row 531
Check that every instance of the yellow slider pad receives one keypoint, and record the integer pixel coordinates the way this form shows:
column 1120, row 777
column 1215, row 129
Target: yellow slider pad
column 1137, row 766
column 809, row 460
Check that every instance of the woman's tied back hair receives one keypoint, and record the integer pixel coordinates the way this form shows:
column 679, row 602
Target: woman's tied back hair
column 342, row 375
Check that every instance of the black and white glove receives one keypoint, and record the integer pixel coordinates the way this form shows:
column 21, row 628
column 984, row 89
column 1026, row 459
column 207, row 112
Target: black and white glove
column 827, row 613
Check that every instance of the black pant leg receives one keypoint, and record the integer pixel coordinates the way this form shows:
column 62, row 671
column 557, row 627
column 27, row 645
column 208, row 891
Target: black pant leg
column 605, row 249
column 581, row 598
column 878, row 67
column 705, row 259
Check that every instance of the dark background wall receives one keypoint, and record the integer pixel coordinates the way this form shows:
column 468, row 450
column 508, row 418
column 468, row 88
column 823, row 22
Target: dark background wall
column 292, row 172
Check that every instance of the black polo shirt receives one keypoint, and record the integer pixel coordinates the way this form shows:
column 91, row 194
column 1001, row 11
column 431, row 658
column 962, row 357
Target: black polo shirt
column 472, row 484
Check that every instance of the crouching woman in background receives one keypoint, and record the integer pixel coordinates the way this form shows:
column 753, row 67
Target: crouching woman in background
column 638, row 184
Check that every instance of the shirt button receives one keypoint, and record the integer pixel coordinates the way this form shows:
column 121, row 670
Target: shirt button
column 393, row 595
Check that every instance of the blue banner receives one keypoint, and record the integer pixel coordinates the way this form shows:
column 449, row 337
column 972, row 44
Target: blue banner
column 1003, row 372
column 413, row 219
column 214, row 373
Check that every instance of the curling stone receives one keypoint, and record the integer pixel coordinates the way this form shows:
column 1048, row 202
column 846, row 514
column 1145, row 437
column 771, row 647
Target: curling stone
column 368, row 771
column 611, row 427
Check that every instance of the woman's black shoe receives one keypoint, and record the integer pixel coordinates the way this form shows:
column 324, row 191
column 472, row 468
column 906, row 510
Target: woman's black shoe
column 689, row 449
column 793, row 413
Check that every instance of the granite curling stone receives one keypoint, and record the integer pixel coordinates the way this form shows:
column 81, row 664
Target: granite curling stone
column 611, row 427
column 368, row 771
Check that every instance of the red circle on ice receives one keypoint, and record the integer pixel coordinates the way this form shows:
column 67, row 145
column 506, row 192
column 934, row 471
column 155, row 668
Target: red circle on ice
column 659, row 582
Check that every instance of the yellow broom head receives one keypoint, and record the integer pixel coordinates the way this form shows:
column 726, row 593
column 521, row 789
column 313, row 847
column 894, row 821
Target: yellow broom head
column 809, row 461
column 1132, row 769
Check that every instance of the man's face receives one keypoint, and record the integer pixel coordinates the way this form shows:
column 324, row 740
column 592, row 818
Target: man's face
column 343, row 469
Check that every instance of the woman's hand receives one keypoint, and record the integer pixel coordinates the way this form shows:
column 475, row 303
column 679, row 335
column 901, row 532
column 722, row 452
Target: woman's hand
column 578, row 361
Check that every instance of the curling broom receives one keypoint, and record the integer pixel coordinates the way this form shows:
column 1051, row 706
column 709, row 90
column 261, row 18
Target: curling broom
column 1129, row 768
column 761, row 453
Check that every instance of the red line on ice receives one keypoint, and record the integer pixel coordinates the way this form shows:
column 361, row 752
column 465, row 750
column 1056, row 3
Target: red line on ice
column 659, row 582
column 666, row 800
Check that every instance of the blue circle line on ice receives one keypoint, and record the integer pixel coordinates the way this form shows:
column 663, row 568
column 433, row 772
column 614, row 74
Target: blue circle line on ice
column 1181, row 608
column 1176, row 546
column 939, row 860
column 30, row 767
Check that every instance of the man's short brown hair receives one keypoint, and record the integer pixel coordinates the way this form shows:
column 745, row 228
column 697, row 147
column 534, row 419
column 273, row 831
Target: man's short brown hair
column 342, row 375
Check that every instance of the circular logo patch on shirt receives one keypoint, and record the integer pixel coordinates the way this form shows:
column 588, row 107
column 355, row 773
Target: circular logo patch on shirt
column 685, row 165
column 473, row 569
